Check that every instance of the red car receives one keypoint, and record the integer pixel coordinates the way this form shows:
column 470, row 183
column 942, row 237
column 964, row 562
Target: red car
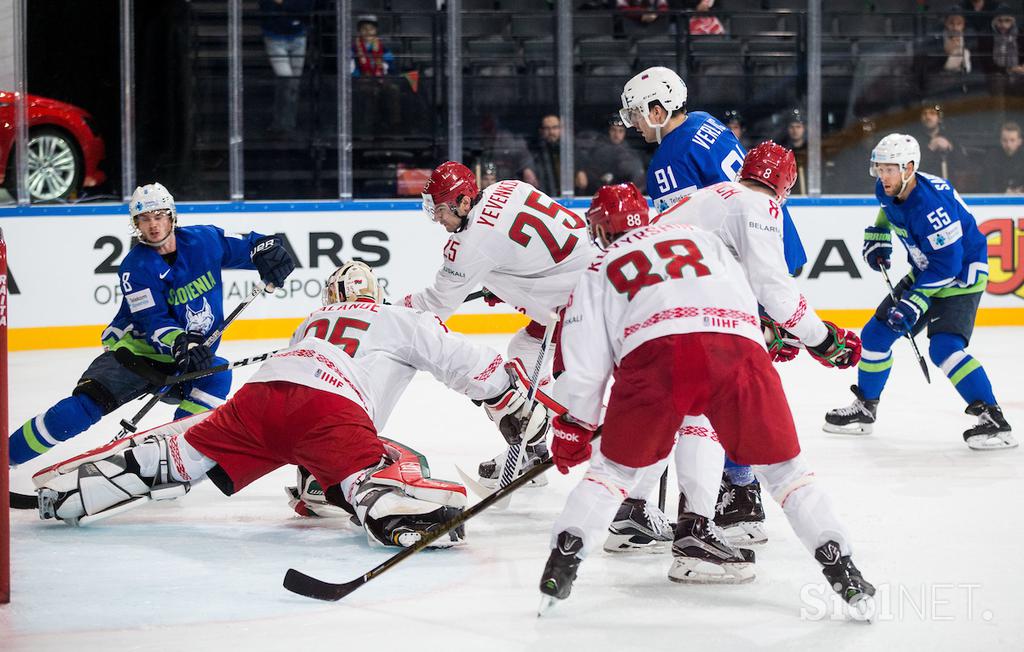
column 64, row 148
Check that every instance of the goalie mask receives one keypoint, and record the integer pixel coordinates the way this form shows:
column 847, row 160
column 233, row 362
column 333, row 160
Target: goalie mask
column 353, row 281
column 151, row 198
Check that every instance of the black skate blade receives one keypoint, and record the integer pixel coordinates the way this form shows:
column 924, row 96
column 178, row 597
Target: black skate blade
column 24, row 501
column 310, row 587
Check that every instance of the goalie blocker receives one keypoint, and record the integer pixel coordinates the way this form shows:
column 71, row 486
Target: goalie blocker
column 264, row 426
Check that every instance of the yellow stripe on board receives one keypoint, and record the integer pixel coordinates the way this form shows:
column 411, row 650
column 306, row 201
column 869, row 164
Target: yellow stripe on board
column 68, row 337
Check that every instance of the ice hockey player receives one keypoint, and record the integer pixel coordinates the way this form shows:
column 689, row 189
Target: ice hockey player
column 529, row 251
column 668, row 313
column 172, row 299
column 695, row 150
column 948, row 256
column 318, row 404
column 746, row 216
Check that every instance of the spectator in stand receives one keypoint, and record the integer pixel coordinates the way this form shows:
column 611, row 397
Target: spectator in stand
column 796, row 140
column 488, row 174
column 1001, row 52
column 284, row 24
column 611, row 161
column 950, row 49
column 1005, row 164
column 734, row 120
column 377, row 97
column 847, row 151
column 939, row 155
column 978, row 14
column 640, row 17
column 547, row 157
column 704, row 24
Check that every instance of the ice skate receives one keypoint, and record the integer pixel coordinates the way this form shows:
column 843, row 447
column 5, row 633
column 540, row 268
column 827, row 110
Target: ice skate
column 560, row 571
column 992, row 431
column 856, row 419
column 846, row 580
column 702, row 556
column 638, row 525
column 740, row 514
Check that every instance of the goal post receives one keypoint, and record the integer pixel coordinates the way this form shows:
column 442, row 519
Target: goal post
column 5, row 513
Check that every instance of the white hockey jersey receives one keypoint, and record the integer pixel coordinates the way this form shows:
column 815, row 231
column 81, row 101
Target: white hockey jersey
column 657, row 281
column 369, row 352
column 750, row 224
column 519, row 244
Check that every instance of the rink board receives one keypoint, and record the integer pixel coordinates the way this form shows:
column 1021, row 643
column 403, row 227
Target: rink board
column 64, row 286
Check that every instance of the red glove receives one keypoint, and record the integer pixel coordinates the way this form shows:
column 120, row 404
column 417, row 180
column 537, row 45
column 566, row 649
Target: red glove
column 571, row 443
column 840, row 349
column 491, row 299
column 779, row 341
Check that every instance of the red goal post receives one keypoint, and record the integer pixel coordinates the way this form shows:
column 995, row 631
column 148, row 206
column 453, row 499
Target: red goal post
column 5, row 514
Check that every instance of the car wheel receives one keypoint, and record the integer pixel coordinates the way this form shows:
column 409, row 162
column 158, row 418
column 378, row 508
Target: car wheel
column 55, row 168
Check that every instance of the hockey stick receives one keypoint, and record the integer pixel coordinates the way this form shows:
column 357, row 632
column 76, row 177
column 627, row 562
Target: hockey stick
column 473, row 296
column 130, row 426
column 517, row 451
column 152, row 375
column 311, row 587
column 662, row 489
column 913, row 342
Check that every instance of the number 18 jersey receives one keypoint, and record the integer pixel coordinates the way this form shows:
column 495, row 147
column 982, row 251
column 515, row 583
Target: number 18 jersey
column 518, row 243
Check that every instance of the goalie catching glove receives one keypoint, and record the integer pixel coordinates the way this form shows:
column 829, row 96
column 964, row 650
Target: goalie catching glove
column 841, row 348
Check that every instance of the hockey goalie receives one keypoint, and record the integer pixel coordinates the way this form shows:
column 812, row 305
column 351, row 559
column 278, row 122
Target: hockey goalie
column 318, row 404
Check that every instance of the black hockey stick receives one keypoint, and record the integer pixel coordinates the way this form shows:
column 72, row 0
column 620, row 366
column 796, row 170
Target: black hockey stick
column 913, row 342
column 130, row 426
column 142, row 367
column 473, row 296
column 311, row 587
column 23, row 501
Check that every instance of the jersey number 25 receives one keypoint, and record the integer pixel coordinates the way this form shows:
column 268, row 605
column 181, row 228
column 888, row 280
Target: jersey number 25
column 526, row 220
column 337, row 337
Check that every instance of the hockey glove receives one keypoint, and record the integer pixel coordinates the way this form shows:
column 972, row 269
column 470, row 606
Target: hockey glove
column 907, row 312
column 841, row 348
column 877, row 247
column 491, row 299
column 571, row 443
column 511, row 411
column 272, row 261
column 190, row 353
column 781, row 343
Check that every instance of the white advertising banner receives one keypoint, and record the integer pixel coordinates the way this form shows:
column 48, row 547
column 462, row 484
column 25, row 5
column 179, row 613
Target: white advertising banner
column 63, row 267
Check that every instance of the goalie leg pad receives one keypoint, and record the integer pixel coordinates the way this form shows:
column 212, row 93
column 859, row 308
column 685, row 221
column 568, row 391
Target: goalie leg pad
column 392, row 518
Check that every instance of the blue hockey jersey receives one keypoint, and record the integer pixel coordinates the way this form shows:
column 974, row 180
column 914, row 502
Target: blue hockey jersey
column 160, row 301
column 698, row 153
column 947, row 252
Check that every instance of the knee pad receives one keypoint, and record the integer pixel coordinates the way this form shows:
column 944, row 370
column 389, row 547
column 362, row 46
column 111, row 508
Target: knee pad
column 784, row 478
column 876, row 336
column 944, row 345
column 615, row 478
column 71, row 416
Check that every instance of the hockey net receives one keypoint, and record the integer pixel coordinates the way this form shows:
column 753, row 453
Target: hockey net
column 5, row 529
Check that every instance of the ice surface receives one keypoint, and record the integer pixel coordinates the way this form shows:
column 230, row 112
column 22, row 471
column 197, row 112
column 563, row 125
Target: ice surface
column 936, row 527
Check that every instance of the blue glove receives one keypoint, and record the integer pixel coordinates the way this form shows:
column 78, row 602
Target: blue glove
column 272, row 261
column 907, row 312
column 877, row 247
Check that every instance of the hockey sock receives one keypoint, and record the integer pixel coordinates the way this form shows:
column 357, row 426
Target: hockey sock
column 61, row 422
column 876, row 358
column 206, row 393
column 645, row 483
column 738, row 474
column 967, row 375
column 591, row 505
column 699, row 462
column 806, row 505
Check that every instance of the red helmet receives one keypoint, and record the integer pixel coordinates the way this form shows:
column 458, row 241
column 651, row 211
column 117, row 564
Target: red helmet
column 617, row 209
column 447, row 183
column 772, row 165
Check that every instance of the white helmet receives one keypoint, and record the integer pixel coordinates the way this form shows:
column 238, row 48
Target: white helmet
column 654, row 84
column 151, row 197
column 352, row 281
column 895, row 149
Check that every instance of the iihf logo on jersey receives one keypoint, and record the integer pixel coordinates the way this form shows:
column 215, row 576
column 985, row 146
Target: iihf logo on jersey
column 199, row 321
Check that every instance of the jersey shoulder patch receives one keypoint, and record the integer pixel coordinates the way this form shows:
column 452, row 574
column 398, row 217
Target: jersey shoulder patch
column 946, row 236
column 141, row 300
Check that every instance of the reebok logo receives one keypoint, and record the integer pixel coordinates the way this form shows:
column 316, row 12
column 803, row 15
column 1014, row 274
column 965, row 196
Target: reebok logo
column 567, row 436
